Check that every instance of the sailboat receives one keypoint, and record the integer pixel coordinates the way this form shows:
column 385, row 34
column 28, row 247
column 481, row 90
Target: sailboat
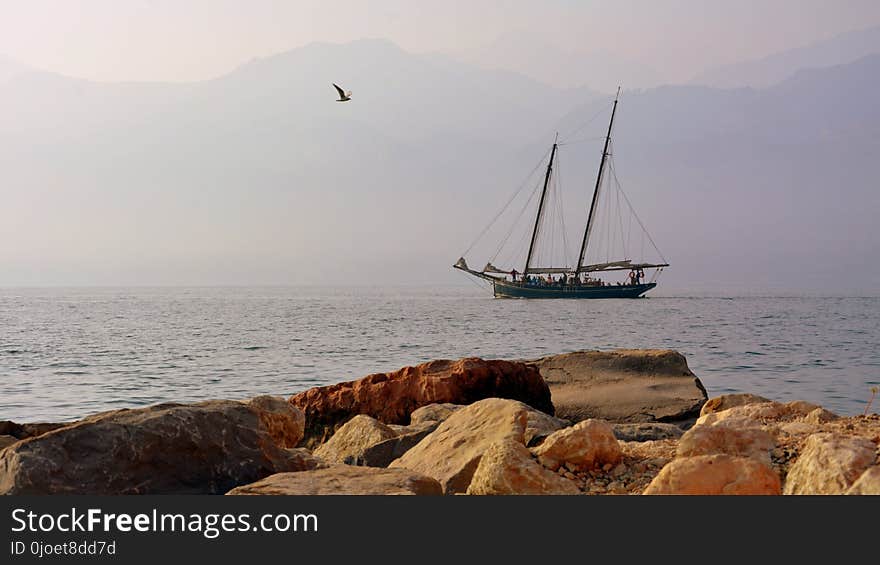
column 578, row 280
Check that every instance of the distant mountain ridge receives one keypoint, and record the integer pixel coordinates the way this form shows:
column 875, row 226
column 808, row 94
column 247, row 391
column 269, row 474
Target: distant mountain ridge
column 563, row 68
column 766, row 71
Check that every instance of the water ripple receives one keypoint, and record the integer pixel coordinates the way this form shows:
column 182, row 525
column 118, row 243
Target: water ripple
column 65, row 353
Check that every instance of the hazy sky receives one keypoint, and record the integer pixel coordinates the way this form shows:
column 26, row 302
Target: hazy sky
column 179, row 40
column 262, row 178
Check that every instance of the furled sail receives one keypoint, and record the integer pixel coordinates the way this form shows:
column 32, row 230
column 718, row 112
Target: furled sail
column 549, row 270
column 620, row 266
column 490, row 268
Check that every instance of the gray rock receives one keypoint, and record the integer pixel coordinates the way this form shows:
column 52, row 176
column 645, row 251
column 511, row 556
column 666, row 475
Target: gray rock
column 433, row 413
column 353, row 438
column 204, row 448
column 24, row 431
column 651, row 431
column 622, row 386
column 540, row 425
column 383, row 453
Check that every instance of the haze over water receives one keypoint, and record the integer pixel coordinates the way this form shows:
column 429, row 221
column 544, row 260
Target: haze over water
column 67, row 353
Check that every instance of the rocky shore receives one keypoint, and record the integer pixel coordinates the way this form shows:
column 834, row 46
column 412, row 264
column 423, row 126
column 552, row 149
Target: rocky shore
column 620, row 422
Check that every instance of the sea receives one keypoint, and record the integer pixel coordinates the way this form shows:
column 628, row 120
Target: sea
column 69, row 352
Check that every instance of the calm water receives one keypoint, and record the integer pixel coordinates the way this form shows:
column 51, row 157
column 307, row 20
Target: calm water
column 65, row 353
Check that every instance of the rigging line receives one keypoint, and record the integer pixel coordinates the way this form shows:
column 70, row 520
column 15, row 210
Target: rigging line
column 516, row 255
column 565, row 248
column 515, row 221
column 623, row 242
column 474, row 280
column 503, row 209
column 639, row 220
column 547, row 244
column 557, row 221
column 602, row 111
column 628, row 226
column 544, row 244
column 608, row 231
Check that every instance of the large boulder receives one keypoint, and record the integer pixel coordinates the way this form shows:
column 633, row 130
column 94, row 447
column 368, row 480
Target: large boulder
column 343, row 479
column 538, row 426
column 392, row 397
column 453, row 451
column 586, row 445
column 623, row 386
column 868, row 483
column 829, row 464
column 507, row 467
column 351, row 440
column 715, row 474
column 208, row 447
column 740, row 442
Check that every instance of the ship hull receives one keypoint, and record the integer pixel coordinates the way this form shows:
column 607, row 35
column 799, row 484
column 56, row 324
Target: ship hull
column 504, row 289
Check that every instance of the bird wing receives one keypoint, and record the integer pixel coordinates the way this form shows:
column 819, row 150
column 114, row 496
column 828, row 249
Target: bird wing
column 339, row 90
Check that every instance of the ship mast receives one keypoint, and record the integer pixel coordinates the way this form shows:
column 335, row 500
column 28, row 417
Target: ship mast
column 591, row 216
column 540, row 208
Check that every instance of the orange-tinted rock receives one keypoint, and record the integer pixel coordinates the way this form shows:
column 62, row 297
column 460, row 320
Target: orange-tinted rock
column 740, row 442
column 726, row 401
column 868, row 483
column 715, row 474
column 829, row 464
column 350, row 442
column 586, row 445
column 343, row 479
column 761, row 413
column 392, row 397
column 507, row 467
column 204, row 448
column 452, row 452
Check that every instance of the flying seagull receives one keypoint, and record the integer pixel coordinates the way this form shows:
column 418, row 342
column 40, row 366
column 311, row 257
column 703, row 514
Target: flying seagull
column 343, row 96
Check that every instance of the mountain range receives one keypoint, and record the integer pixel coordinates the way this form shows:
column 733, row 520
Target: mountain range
column 260, row 177
column 766, row 71
column 564, row 68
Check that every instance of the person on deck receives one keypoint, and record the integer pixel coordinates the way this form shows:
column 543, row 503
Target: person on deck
column 513, row 274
